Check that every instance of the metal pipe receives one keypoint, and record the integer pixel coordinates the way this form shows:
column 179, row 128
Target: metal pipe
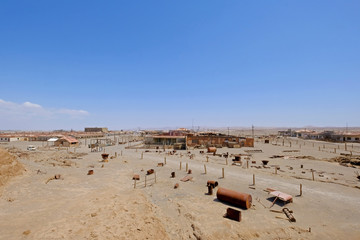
column 243, row 200
column 214, row 184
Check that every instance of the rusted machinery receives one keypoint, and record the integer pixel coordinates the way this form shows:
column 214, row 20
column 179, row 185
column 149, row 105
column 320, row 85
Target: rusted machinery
column 239, row 199
column 104, row 156
column 214, row 184
column 289, row 215
column 211, row 185
column 233, row 214
column 172, row 174
column 150, row 171
column 210, row 190
column 265, row 162
column 90, row 172
column 136, row 177
column 211, row 149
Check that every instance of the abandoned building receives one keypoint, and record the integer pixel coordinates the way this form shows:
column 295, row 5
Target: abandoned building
column 201, row 140
column 96, row 129
column 218, row 140
column 176, row 142
column 346, row 137
column 66, row 141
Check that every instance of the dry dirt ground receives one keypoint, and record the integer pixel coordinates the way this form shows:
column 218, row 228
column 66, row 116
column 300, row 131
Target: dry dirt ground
column 105, row 205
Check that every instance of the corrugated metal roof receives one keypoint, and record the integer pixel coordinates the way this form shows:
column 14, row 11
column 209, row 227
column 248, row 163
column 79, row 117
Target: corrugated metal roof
column 69, row 139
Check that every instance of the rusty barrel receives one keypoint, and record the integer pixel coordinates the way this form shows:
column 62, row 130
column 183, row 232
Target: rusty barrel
column 211, row 149
column 239, row 199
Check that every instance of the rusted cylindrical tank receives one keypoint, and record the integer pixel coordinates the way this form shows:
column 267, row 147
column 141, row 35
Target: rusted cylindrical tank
column 211, row 149
column 239, row 199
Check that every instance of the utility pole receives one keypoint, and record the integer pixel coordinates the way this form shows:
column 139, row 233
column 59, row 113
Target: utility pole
column 252, row 131
column 228, row 132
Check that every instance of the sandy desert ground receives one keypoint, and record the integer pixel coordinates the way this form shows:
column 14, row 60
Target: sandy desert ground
column 106, row 205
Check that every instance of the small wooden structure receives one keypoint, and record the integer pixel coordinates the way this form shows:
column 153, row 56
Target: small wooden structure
column 66, row 141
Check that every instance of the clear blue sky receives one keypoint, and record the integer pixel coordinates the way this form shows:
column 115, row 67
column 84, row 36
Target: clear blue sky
column 130, row 64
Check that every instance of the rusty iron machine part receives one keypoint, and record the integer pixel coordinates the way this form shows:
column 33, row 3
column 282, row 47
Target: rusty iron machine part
column 211, row 149
column 214, row 184
column 136, row 177
column 289, row 215
column 150, row 171
column 210, row 190
column 239, row 199
column 173, row 174
column 233, row 214
column 90, row 172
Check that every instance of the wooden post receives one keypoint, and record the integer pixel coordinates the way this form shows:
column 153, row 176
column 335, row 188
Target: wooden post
column 115, row 154
column 254, row 179
column 187, row 167
column 223, row 173
column 290, row 144
column 205, row 168
column 142, row 155
column 226, row 160
column 135, row 184
column 345, row 147
column 300, row 189
column 145, row 180
column 207, row 158
column 334, row 150
column 180, row 165
column 164, row 160
column 323, row 145
column 247, row 163
column 312, row 172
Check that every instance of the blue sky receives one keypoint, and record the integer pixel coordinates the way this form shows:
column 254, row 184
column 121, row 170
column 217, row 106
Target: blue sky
column 148, row 64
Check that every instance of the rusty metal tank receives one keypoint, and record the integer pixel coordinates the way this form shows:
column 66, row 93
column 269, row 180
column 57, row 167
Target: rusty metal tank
column 211, row 149
column 239, row 199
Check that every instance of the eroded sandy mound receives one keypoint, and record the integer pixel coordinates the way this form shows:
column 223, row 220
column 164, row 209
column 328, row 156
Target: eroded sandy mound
column 9, row 167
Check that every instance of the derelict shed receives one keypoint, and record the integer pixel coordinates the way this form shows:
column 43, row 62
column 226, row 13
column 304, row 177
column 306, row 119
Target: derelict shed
column 66, row 141
column 52, row 141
